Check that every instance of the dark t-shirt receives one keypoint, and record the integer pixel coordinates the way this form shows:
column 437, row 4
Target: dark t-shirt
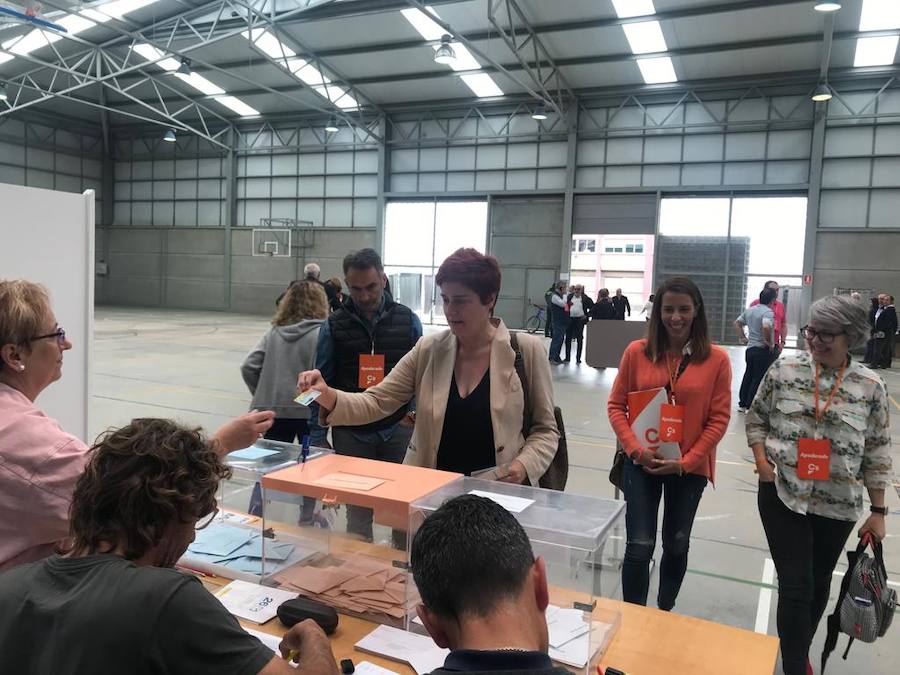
column 103, row 614
column 501, row 662
column 467, row 439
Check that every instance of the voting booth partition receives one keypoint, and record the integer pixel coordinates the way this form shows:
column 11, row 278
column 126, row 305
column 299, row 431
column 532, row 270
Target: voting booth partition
column 48, row 238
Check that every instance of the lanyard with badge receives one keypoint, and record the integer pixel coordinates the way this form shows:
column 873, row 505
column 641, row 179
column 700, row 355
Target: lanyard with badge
column 671, row 413
column 814, row 454
column 371, row 368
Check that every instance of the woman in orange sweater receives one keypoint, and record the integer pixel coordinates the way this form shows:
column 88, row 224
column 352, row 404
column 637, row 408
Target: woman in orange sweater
column 677, row 354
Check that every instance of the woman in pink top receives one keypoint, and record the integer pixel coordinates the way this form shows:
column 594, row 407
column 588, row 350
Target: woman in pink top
column 39, row 462
column 677, row 355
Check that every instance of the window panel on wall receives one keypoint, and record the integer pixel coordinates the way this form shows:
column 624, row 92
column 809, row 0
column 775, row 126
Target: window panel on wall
column 886, row 172
column 258, row 166
column 745, row 146
column 367, row 162
column 365, row 186
column 339, row 162
column 209, row 168
column 142, row 170
column 887, row 139
column 409, row 233
column 284, row 187
column 312, row 164
column 210, row 189
column 521, row 180
column 403, row 182
column 68, row 164
column 551, row 179
column 185, row 189
column 842, row 173
column 623, row 176
column 163, row 213
column 163, row 169
column 41, row 179
column 255, row 210
column 312, row 186
column 68, row 183
column 661, row 175
column 624, row 150
column 209, row 214
column 491, row 157
column 185, row 168
column 122, row 213
column 365, row 212
column 460, row 158
column 661, row 150
column 701, row 174
column 185, row 214
column 284, row 165
column 338, row 213
column 552, row 154
column 313, row 210
column 39, row 159
column 432, row 159
column 743, row 173
column 789, row 144
column 404, row 160
column 703, row 148
column 775, row 228
column 591, row 152
column 787, row 173
column 164, row 189
column 884, row 207
column 141, row 213
column 591, row 177
column 11, row 174
column 460, row 181
column 12, row 153
column 848, row 141
column 522, row 155
column 489, row 180
column 284, row 208
column 457, row 225
column 431, row 182
column 339, row 186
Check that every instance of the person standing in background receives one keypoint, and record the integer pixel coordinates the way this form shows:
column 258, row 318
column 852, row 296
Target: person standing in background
column 580, row 307
column 335, row 291
column 620, row 302
column 358, row 346
column 759, row 319
column 603, row 309
column 780, row 312
column 648, row 307
column 875, row 305
column 560, row 318
column 548, row 322
column 884, row 332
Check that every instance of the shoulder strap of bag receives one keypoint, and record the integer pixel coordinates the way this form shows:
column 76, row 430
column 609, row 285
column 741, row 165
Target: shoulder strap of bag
column 523, row 378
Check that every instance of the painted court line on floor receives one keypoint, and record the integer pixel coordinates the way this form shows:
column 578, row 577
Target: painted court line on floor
column 765, row 598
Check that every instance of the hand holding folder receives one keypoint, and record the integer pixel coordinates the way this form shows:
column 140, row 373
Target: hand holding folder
column 644, row 411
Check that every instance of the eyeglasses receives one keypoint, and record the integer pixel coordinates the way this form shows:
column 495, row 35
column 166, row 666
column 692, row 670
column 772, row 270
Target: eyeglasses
column 824, row 337
column 206, row 520
column 59, row 334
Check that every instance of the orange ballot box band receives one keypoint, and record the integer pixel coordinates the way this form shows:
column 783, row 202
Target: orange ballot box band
column 644, row 415
column 814, row 458
column 371, row 370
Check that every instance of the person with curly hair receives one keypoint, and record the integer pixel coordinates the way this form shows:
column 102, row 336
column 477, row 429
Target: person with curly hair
column 40, row 460
column 110, row 601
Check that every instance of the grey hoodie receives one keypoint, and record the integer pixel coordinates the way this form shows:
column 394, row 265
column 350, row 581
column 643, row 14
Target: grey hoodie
column 271, row 369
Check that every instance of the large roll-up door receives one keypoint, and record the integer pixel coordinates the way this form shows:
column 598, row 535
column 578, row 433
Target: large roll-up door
column 615, row 214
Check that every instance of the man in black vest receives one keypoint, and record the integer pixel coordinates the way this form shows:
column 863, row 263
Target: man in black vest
column 358, row 345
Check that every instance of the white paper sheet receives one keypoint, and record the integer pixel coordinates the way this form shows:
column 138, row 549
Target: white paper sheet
column 270, row 641
column 368, row 668
column 419, row 651
column 350, row 481
column 511, row 504
column 251, row 601
column 578, row 652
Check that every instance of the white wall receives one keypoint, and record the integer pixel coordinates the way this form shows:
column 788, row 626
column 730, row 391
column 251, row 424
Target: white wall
column 49, row 238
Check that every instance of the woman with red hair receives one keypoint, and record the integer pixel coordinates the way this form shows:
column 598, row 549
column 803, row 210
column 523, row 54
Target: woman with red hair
column 470, row 402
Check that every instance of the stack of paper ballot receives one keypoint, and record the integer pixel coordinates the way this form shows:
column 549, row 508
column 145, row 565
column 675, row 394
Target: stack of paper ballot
column 573, row 641
column 240, row 549
column 357, row 584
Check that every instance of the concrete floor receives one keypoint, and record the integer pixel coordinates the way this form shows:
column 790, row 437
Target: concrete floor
column 184, row 365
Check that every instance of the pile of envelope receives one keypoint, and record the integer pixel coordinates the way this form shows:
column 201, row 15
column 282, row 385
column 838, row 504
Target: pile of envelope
column 357, row 584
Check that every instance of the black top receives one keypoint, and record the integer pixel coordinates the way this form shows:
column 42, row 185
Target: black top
column 104, row 614
column 603, row 310
column 500, row 661
column 467, row 441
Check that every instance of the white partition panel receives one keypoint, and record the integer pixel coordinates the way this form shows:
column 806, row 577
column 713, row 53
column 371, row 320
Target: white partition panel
column 48, row 237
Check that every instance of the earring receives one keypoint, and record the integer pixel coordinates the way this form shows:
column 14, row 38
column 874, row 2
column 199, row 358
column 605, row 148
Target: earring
column 21, row 368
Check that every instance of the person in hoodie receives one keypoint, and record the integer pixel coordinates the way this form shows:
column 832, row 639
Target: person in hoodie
column 287, row 348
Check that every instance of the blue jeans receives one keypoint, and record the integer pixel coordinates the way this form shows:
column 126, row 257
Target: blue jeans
column 681, row 496
column 560, row 326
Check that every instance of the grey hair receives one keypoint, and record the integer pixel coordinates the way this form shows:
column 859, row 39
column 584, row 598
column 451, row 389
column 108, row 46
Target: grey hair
column 841, row 315
column 312, row 270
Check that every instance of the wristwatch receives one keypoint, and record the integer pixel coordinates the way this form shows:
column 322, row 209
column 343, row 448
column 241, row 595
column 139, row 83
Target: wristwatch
column 883, row 510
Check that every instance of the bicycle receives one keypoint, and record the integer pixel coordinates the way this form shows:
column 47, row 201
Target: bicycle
column 535, row 322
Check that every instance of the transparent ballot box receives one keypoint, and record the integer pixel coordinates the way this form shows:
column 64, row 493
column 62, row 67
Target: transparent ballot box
column 352, row 548
column 235, row 543
column 580, row 538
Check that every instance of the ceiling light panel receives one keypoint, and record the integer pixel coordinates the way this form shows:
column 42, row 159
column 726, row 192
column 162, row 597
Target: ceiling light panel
column 425, row 25
column 201, row 84
column 119, row 8
column 645, row 37
column 151, row 53
column 237, row 105
column 628, row 8
column 875, row 51
column 657, row 70
column 464, row 59
column 879, row 15
column 481, row 84
column 268, row 44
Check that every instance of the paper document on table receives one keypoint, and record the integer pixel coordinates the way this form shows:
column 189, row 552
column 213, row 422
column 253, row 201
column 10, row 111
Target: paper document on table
column 564, row 625
column 578, row 652
column 644, row 408
column 220, row 539
column 419, row 651
column 350, row 481
column 251, row 601
column 251, row 453
column 511, row 504
column 368, row 668
column 270, row 641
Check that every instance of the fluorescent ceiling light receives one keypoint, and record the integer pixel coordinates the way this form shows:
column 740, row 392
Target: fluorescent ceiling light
column 424, row 24
column 269, row 45
column 331, row 127
column 629, row 8
column 875, row 51
column 645, row 37
column 827, row 6
column 879, row 15
column 657, row 70
column 822, row 93
column 119, row 8
column 170, row 136
column 238, row 106
column 482, row 84
column 464, row 59
column 151, row 53
column 201, row 84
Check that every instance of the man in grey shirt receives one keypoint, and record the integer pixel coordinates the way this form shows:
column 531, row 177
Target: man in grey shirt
column 759, row 320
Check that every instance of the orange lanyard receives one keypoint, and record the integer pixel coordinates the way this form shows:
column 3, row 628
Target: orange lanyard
column 672, row 376
column 837, row 384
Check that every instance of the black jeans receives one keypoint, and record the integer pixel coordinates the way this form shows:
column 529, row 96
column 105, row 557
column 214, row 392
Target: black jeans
column 805, row 549
column 758, row 360
column 575, row 332
column 681, row 496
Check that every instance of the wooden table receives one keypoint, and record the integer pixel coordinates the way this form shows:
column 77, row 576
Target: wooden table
column 649, row 642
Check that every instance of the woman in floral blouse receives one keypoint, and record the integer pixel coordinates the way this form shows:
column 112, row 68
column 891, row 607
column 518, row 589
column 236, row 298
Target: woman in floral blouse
column 818, row 428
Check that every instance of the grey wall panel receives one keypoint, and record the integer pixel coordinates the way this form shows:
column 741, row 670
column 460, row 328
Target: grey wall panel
column 624, row 150
column 705, row 148
column 521, row 180
column 458, row 158
column 186, row 214
column 623, row 176
column 338, row 213
column 551, row 179
column 884, row 212
column 702, row 174
column 255, row 299
column 526, row 216
column 848, row 141
column 131, row 291
column 312, row 186
column 12, row 174
column 262, row 270
column 196, row 242
column 789, row 144
column 745, row 173
column 745, row 146
column 614, row 214
column 135, row 241
column 662, row 149
column 195, row 294
column 886, row 172
column 490, row 180
column 843, row 173
column 787, row 172
column 843, row 208
column 146, row 265
column 857, row 260
column 662, row 175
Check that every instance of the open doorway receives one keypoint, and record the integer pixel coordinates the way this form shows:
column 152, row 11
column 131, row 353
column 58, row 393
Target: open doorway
column 614, row 261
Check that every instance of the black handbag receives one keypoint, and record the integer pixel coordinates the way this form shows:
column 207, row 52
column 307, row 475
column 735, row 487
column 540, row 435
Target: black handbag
column 557, row 474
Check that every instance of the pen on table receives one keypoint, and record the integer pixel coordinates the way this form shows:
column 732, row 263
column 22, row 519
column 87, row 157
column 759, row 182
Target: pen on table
column 304, row 451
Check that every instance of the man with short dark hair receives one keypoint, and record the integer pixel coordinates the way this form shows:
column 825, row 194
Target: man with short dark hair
column 780, row 312
column 760, row 322
column 113, row 603
column 358, row 346
column 620, row 302
column 483, row 592
column 580, row 306
column 884, row 332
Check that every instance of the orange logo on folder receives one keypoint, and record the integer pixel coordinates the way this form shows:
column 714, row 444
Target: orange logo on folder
column 644, row 415
column 671, row 422
column 371, row 370
column 814, row 459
